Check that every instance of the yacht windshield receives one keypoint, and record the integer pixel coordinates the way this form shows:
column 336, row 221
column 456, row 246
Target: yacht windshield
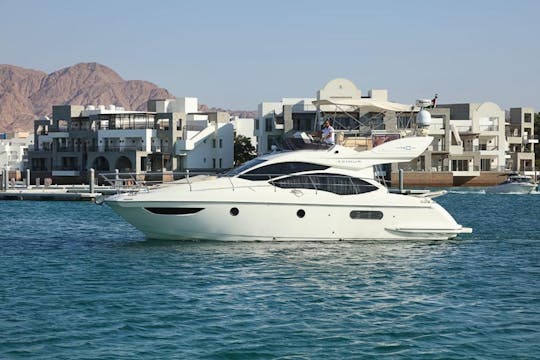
column 245, row 166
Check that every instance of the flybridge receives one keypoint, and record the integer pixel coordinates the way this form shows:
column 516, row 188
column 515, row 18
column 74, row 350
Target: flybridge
column 394, row 151
column 399, row 150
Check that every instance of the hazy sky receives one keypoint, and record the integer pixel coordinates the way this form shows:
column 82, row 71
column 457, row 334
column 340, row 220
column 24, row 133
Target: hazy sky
column 236, row 54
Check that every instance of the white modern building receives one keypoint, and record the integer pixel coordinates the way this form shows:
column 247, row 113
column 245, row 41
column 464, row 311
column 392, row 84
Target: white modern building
column 13, row 150
column 469, row 138
column 521, row 139
column 170, row 136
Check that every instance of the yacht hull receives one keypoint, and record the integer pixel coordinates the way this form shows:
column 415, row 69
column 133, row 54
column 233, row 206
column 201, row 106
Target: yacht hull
column 512, row 188
column 300, row 195
column 270, row 221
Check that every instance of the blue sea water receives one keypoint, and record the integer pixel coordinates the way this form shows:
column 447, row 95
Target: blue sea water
column 77, row 282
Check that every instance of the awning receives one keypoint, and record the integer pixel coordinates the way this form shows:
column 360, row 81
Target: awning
column 366, row 105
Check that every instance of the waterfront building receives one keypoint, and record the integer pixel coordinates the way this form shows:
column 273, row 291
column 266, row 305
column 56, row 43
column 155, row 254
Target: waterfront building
column 170, row 136
column 521, row 139
column 14, row 150
column 470, row 139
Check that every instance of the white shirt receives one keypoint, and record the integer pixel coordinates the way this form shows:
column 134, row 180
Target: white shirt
column 328, row 135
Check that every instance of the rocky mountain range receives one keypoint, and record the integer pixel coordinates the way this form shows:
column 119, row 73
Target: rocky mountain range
column 26, row 95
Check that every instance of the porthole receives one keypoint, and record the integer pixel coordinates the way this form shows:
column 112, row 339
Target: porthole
column 300, row 213
column 234, row 211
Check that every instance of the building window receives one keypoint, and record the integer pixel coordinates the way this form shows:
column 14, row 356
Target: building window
column 220, row 143
column 273, row 140
column 485, row 164
column 220, row 163
column 268, row 126
column 527, row 117
column 460, row 165
column 404, row 122
column 213, row 143
column 256, row 124
column 214, row 163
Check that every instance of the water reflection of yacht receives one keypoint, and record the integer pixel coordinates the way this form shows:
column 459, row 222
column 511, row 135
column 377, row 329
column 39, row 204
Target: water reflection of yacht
column 325, row 194
column 514, row 184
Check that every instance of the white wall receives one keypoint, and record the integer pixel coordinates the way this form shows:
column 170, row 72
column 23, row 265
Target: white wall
column 266, row 108
column 245, row 127
column 203, row 154
column 184, row 105
column 12, row 152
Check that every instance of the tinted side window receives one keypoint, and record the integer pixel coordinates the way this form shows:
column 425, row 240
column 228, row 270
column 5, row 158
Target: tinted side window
column 362, row 186
column 295, row 182
column 337, row 184
column 274, row 170
column 342, row 184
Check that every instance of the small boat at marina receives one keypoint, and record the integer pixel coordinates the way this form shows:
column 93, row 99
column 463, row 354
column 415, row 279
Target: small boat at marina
column 328, row 193
column 514, row 184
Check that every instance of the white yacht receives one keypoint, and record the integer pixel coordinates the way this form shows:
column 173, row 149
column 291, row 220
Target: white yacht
column 326, row 194
column 514, row 184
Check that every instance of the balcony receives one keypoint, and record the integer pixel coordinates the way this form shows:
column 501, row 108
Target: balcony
column 481, row 148
column 463, row 129
column 487, row 128
column 65, row 171
column 514, row 140
column 456, row 149
column 116, row 148
column 439, row 148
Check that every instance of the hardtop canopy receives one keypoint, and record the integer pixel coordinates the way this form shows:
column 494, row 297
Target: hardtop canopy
column 367, row 105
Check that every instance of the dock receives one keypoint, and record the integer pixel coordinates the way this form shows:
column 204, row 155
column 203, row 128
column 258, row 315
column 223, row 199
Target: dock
column 22, row 190
column 58, row 193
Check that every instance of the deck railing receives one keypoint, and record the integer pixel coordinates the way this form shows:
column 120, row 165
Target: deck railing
column 339, row 184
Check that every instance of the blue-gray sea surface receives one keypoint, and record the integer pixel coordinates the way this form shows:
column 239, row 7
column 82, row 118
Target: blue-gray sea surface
column 77, row 282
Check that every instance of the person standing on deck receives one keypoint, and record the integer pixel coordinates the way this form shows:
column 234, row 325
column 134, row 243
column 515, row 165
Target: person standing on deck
column 328, row 134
